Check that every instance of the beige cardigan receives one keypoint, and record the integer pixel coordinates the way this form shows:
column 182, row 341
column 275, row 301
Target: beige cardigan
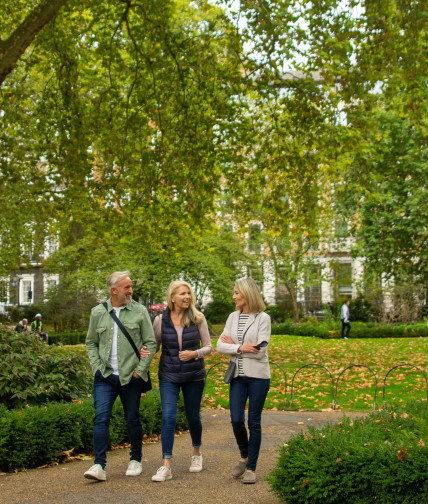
column 257, row 329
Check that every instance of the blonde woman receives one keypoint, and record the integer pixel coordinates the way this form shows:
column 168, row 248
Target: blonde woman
column 183, row 333
column 245, row 338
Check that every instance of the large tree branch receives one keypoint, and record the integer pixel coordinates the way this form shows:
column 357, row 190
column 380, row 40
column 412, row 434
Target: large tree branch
column 14, row 47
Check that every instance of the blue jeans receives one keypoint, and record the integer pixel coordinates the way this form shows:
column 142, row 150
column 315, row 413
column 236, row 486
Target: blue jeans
column 106, row 391
column 256, row 390
column 192, row 395
column 348, row 328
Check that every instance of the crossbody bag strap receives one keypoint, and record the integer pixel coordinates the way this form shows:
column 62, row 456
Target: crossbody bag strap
column 123, row 329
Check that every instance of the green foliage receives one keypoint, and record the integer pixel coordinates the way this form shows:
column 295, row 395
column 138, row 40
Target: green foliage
column 68, row 308
column 67, row 338
column 277, row 314
column 218, row 310
column 382, row 458
column 33, row 373
column 358, row 330
column 36, row 435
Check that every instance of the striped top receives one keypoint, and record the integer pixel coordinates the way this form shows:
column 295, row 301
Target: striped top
column 241, row 326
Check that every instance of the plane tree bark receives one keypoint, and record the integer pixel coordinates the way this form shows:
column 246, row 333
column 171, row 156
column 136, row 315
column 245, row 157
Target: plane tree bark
column 14, row 47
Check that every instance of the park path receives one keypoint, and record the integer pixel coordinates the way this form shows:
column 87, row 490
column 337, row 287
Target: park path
column 65, row 484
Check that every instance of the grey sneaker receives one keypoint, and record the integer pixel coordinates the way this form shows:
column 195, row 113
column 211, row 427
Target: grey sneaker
column 162, row 474
column 96, row 472
column 134, row 468
column 249, row 477
column 239, row 469
column 196, row 465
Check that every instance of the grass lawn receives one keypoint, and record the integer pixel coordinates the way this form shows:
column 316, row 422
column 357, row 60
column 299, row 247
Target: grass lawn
column 313, row 385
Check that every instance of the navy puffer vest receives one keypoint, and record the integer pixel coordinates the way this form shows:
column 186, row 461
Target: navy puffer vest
column 171, row 368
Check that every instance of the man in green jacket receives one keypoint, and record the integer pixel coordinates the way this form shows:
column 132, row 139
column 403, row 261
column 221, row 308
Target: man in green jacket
column 117, row 370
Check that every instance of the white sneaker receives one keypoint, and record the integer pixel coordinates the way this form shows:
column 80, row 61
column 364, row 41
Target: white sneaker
column 196, row 465
column 162, row 474
column 134, row 468
column 96, row 472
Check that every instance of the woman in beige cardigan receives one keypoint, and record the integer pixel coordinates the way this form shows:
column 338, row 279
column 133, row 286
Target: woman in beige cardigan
column 245, row 339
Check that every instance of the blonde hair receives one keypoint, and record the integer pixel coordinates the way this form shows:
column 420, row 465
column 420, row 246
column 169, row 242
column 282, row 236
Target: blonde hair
column 248, row 288
column 115, row 278
column 191, row 314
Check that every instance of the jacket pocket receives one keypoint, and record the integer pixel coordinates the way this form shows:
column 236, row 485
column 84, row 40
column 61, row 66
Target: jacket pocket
column 133, row 330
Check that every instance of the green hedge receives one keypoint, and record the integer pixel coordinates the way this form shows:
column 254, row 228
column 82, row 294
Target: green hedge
column 382, row 458
column 33, row 373
column 36, row 436
column 358, row 330
column 67, row 338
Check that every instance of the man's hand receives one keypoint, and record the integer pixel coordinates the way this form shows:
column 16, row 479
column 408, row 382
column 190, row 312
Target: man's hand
column 135, row 375
column 144, row 352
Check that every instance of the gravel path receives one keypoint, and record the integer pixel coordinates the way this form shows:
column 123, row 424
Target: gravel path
column 65, row 484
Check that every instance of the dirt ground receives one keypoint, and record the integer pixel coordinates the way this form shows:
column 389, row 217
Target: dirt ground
column 65, row 484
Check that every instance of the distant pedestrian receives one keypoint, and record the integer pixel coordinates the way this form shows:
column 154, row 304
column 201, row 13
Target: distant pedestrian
column 22, row 326
column 183, row 333
column 344, row 317
column 37, row 328
column 117, row 368
column 245, row 339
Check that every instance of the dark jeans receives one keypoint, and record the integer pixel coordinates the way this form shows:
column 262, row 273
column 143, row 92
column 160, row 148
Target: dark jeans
column 106, row 391
column 256, row 390
column 348, row 328
column 192, row 395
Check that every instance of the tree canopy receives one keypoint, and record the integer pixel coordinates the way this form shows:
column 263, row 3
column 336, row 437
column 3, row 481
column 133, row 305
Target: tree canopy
column 130, row 131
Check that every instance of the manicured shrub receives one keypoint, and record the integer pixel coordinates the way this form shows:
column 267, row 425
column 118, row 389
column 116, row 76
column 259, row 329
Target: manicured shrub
column 218, row 310
column 67, row 338
column 32, row 373
column 358, row 330
column 35, row 436
column 382, row 458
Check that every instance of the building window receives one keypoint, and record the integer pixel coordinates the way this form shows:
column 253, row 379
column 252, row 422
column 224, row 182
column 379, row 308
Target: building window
column 343, row 279
column 26, row 290
column 341, row 230
column 256, row 273
column 254, row 241
column 4, row 291
column 49, row 281
column 313, row 294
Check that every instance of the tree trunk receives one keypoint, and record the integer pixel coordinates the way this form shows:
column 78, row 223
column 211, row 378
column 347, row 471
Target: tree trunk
column 14, row 47
column 292, row 291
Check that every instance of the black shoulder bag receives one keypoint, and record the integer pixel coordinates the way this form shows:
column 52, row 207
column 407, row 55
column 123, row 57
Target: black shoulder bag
column 145, row 385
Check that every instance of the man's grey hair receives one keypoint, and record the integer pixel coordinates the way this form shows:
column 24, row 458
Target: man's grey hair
column 115, row 278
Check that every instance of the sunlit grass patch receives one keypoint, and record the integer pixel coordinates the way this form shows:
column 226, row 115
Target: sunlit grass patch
column 313, row 386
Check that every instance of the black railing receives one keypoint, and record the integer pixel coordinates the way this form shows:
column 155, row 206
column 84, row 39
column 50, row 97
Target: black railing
column 334, row 388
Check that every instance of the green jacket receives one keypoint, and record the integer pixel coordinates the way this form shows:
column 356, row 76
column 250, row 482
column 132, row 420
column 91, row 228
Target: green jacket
column 100, row 337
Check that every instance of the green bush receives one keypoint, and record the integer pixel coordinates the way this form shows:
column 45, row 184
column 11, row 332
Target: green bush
column 358, row 330
column 35, row 436
column 382, row 458
column 218, row 310
column 33, row 373
column 67, row 338
column 277, row 314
